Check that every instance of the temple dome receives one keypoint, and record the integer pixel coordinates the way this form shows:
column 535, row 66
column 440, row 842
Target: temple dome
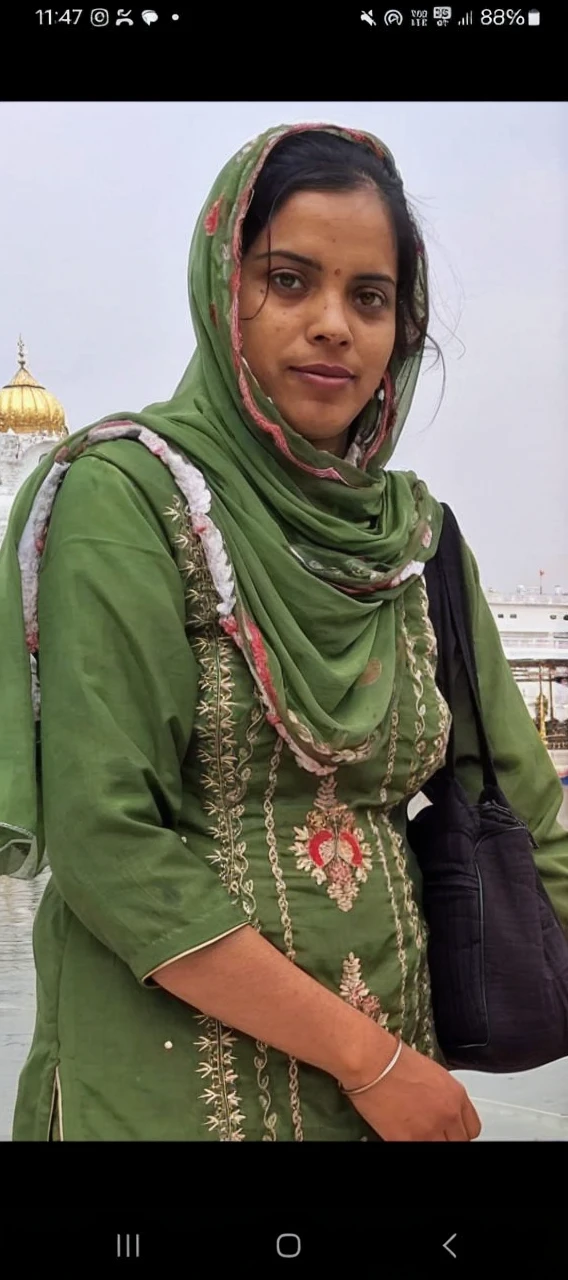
column 27, row 408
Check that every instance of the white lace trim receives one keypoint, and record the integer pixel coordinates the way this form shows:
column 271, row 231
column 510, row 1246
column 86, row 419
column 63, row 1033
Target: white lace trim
column 198, row 496
column 29, row 554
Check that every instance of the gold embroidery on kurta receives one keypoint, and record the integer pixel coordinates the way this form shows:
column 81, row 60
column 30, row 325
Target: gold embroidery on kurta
column 225, row 779
column 200, row 594
column 427, row 755
column 270, row 1119
column 440, row 744
column 285, row 919
column 423, row 1040
column 399, row 933
column 332, row 848
column 425, row 763
column 391, row 757
column 355, row 992
column 410, row 907
column 218, row 1070
column 407, row 886
column 420, row 707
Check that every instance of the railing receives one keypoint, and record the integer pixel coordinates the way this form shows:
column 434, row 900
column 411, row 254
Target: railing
column 556, row 735
column 528, row 640
column 528, row 597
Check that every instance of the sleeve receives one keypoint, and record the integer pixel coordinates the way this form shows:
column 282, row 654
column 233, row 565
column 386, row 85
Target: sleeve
column 119, row 690
column 524, row 769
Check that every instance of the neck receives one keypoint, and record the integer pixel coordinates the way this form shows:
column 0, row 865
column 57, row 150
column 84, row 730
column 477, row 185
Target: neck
column 337, row 445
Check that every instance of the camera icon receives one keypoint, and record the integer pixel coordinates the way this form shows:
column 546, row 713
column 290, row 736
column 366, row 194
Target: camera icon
column 99, row 17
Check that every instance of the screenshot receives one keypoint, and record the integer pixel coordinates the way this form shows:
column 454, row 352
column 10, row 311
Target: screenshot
column 284, row 637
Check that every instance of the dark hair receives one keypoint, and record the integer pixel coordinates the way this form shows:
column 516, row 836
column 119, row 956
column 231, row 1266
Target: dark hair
column 317, row 161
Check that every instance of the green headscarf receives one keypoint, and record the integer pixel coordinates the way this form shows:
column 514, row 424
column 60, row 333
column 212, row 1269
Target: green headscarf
column 308, row 552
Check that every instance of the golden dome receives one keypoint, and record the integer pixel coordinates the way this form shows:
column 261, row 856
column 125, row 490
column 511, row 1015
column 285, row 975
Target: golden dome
column 26, row 407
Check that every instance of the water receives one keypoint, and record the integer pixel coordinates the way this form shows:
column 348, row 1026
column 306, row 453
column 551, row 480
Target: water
column 532, row 1106
column 18, row 904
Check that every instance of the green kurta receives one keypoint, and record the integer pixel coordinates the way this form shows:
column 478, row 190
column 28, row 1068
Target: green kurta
column 175, row 814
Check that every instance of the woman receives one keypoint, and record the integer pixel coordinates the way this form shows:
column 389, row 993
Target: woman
column 238, row 698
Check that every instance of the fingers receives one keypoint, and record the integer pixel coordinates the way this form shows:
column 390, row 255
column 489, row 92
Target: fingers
column 466, row 1127
column 471, row 1121
column 456, row 1132
column 463, row 1127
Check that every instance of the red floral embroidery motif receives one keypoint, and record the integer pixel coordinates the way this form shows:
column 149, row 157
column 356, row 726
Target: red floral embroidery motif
column 212, row 219
column 354, row 991
column 332, row 848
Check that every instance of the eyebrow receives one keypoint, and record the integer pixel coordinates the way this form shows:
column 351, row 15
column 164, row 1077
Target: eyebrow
column 311, row 262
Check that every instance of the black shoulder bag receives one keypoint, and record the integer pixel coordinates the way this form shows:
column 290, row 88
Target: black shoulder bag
column 498, row 956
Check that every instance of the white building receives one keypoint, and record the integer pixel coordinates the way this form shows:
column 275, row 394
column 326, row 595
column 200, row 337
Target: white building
column 31, row 422
column 534, row 634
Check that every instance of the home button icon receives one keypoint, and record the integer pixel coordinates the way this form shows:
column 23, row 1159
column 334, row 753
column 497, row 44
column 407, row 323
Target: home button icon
column 288, row 1246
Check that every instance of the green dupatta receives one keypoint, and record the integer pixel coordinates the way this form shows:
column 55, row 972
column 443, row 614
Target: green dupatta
column 307, row 552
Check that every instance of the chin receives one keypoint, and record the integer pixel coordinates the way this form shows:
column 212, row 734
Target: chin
column 327, row 439
column 318, row 430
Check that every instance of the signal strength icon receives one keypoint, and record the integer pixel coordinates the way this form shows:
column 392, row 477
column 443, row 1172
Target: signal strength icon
column 467, row 21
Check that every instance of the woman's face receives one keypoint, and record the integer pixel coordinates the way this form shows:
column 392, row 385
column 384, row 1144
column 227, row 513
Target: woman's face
column 319, row 334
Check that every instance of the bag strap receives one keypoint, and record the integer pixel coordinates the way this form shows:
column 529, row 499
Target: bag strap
column 449, row 611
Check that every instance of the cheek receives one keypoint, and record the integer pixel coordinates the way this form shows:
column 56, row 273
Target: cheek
column 264, row 335
column 250, row 299
column 378, row 347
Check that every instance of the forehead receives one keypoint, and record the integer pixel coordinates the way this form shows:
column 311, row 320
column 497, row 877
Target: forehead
column 340, row 223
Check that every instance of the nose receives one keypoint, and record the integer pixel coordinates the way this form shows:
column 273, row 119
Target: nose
column 329, row 321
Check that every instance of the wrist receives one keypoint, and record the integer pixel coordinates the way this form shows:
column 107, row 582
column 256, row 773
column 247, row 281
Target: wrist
column 365, row 1054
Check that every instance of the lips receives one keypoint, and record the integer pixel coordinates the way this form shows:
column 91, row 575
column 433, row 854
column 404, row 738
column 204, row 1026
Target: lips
column 324, row 370
column 325, row 379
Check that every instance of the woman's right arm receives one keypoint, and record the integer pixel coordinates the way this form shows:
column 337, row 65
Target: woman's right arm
column 248, row 984
column 119, row 688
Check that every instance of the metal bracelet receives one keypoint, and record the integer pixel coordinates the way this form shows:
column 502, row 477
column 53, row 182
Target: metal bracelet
column 350, row 1093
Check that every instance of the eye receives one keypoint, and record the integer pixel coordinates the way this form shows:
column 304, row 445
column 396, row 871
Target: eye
column 371, row 299
column 286, row 280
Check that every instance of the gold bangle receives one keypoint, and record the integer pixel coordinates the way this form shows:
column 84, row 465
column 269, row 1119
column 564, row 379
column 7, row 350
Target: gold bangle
column 350, row 1093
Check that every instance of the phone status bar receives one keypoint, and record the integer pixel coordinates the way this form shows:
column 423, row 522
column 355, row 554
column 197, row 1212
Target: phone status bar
column 446, row 16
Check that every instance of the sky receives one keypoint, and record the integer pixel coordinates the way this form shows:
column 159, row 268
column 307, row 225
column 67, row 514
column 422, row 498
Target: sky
column 98, row 206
